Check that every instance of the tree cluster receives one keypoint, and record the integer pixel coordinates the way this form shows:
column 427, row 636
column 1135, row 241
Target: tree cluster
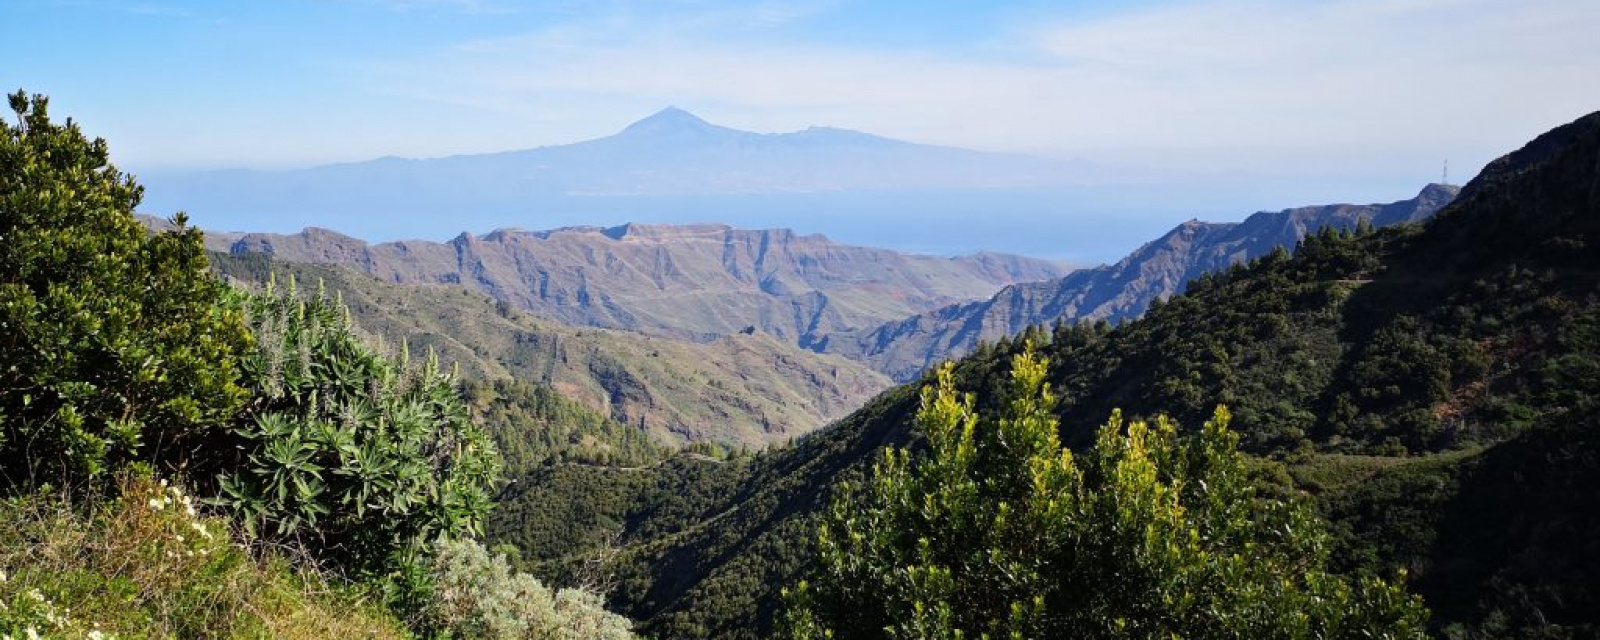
column 997, row 531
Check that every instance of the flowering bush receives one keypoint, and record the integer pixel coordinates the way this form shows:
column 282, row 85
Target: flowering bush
column 149, row 564
column 478, row 596
column 360, row 457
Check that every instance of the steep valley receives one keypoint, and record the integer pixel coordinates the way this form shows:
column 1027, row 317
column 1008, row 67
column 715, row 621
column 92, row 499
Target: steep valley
column 1429, row 387
column 745, row 389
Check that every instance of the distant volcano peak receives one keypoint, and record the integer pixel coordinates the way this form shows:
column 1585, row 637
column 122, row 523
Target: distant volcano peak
column 668, row 120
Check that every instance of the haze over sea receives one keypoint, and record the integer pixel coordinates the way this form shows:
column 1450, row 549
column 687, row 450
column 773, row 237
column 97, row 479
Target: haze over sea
column 1210, row 109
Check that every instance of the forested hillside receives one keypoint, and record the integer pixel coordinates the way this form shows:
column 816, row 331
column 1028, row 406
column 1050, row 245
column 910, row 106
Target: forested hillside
column 1388, row 431
column 1431, row 386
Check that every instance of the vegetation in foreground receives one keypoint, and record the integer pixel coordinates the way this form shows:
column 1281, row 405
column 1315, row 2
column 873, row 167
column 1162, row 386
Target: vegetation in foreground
column 147, row 564
column 128, row 361
column 1434, row 387
column 997, row 531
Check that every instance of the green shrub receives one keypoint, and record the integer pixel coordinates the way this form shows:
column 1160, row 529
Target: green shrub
column 115, row 345
column 1000, row 532
column 479, row 596
column 360, row 457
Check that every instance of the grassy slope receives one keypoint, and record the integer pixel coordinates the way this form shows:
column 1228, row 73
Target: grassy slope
column 143, row 566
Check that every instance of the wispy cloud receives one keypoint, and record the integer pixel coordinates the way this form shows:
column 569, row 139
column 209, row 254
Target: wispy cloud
column 1223, row 83
column 475, row 7
column 1282, row 86
column 152, row 9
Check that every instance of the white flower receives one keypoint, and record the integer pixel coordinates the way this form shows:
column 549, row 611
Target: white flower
column 157, row 503
column 96, row 635
column 2, row 576
column 33, row 634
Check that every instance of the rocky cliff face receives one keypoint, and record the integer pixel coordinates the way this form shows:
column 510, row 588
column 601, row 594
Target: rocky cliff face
column 904, row 348
column 747, row 388
column 695, row 281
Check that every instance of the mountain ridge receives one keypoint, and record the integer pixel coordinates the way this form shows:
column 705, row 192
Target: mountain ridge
column 689, row 281
column 1122, row 290
column 744, row 389
column 1428, row 386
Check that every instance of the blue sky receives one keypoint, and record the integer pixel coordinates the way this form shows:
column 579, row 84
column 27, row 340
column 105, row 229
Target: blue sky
column 1370, row 95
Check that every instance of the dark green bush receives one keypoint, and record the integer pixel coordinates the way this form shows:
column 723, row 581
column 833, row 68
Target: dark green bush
column 115, row 345
column 362, row 457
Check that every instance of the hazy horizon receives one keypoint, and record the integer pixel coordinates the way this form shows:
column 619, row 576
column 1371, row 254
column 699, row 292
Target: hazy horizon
column 1212, row 109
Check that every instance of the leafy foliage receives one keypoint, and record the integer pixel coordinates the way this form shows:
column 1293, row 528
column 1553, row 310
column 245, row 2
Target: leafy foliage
column 999, row 532
column 115, row 345
column 363, row 456
column 479, row 596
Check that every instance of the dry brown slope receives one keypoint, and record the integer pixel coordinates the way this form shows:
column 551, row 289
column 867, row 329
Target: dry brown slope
column 692, row 281
column 749, row 389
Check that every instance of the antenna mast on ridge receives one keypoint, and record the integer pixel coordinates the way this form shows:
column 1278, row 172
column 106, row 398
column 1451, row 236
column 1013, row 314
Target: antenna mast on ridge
column 1445, row 179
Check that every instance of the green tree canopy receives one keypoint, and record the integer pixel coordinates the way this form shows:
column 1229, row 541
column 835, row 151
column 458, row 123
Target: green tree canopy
column 1000, row 532
column 115, row 345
